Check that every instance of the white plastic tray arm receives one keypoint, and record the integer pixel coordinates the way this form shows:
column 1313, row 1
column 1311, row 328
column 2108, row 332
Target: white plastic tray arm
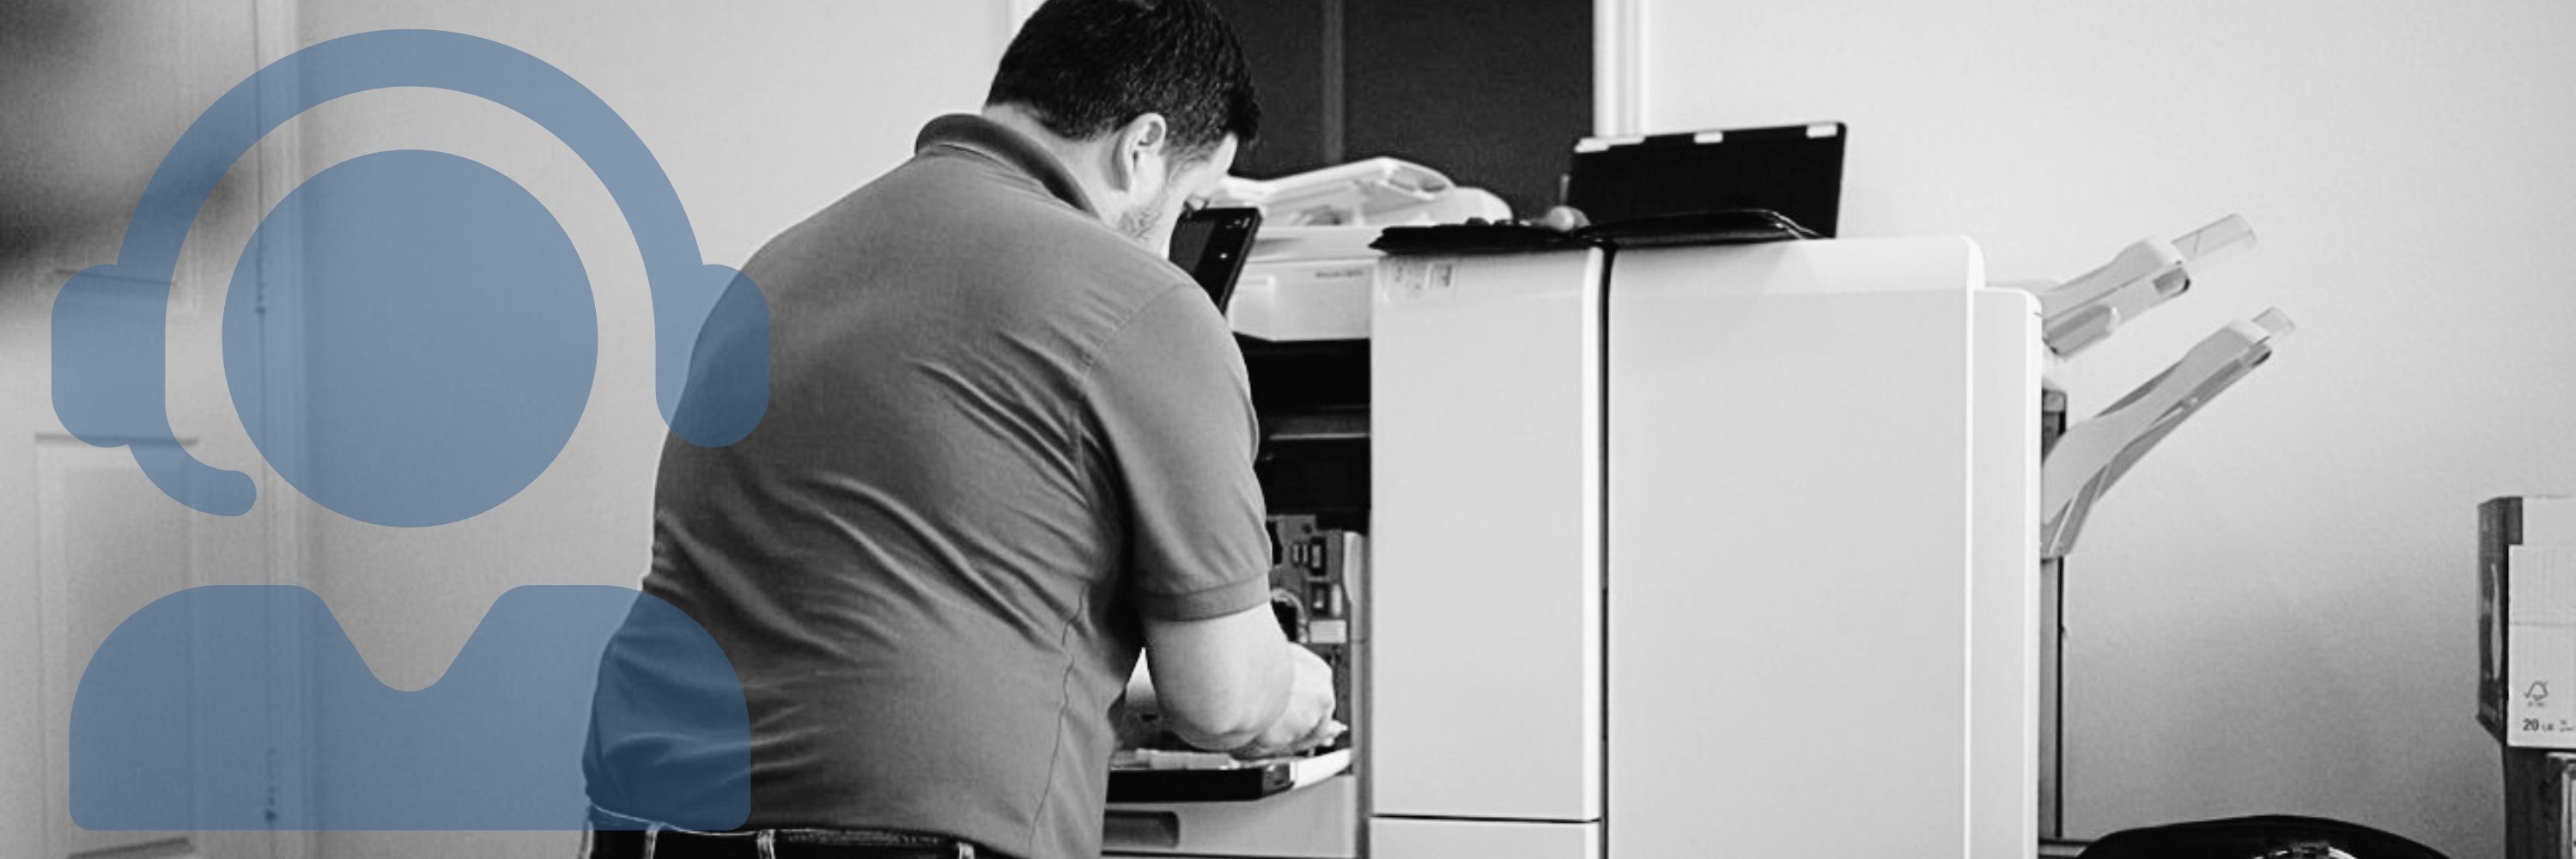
column 2092, row 455
column 2092, row 306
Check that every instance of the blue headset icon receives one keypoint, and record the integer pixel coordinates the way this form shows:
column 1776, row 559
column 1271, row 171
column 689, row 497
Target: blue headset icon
column 430, row 350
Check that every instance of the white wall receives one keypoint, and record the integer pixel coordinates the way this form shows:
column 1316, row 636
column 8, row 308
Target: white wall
column 760, row 114
column 2275, row 612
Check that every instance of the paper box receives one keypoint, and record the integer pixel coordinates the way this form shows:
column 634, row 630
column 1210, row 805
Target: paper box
column 2527, row 621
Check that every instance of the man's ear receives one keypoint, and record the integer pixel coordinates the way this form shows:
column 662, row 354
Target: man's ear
column 1140, row 147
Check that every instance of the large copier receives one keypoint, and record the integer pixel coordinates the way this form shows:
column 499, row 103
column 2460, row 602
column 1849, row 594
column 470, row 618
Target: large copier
column 1706, row 550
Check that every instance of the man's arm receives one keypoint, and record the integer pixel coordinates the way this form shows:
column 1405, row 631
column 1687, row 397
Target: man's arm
column 1233, row 683
column 1174, row 419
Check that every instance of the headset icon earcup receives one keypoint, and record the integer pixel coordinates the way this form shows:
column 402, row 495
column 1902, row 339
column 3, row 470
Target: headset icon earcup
column 432, row 345
column 725, row 390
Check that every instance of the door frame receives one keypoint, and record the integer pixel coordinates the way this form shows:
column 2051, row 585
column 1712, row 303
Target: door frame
column 1618, row 67
column 278, row 163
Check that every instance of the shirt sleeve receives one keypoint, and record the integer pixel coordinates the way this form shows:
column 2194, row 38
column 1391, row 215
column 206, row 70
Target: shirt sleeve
column 1172, row 413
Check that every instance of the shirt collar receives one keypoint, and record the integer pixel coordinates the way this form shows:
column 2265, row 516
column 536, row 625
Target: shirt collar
column 1010, row 148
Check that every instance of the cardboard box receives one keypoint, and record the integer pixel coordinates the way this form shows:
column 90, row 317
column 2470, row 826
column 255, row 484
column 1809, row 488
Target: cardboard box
column 2527, row 621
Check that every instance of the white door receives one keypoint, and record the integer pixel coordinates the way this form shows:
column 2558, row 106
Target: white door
column 85, row 538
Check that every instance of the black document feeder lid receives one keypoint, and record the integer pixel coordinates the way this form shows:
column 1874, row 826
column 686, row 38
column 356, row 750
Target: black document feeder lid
column 1796, row 171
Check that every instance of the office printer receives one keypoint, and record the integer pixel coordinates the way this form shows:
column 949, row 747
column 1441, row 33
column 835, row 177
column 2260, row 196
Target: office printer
column 1690, row 533
column 1695, row 550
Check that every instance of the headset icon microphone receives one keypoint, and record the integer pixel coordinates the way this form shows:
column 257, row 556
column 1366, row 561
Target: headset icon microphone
column 434, row 345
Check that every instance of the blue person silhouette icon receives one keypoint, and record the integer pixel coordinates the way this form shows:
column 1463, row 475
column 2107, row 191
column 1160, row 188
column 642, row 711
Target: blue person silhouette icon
column 423, row 359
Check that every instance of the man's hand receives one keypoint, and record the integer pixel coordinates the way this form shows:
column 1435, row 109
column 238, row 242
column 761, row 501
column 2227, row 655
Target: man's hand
column 1308, row 722
column 1233, row 682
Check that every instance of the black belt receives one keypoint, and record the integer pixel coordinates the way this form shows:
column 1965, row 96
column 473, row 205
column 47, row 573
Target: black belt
column 775, row 844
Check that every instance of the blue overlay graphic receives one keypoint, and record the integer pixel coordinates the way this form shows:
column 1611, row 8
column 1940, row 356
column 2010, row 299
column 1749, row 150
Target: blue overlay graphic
column 425, row 357
column 173, row 724
column 410, row 340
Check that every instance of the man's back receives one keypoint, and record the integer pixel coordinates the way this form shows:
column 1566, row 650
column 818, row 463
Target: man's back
column 998, row 431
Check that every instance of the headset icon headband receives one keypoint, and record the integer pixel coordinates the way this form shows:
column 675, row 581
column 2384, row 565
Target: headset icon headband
column 710, row 324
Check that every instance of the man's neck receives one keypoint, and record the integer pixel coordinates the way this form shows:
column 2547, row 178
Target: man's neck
column 1081, row 159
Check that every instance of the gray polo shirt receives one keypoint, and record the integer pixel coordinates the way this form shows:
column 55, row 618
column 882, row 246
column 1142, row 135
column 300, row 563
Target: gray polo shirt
column 998, row 434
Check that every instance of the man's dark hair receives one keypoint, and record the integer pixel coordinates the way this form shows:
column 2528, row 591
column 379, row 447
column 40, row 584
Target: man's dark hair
column 1086, row 67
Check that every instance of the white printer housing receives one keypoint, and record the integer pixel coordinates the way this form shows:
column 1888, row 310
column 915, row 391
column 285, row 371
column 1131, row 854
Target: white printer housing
column 1705, row 551
column 1719, row 551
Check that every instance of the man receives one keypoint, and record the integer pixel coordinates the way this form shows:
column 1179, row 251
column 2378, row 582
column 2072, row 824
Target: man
column 1007, row 444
